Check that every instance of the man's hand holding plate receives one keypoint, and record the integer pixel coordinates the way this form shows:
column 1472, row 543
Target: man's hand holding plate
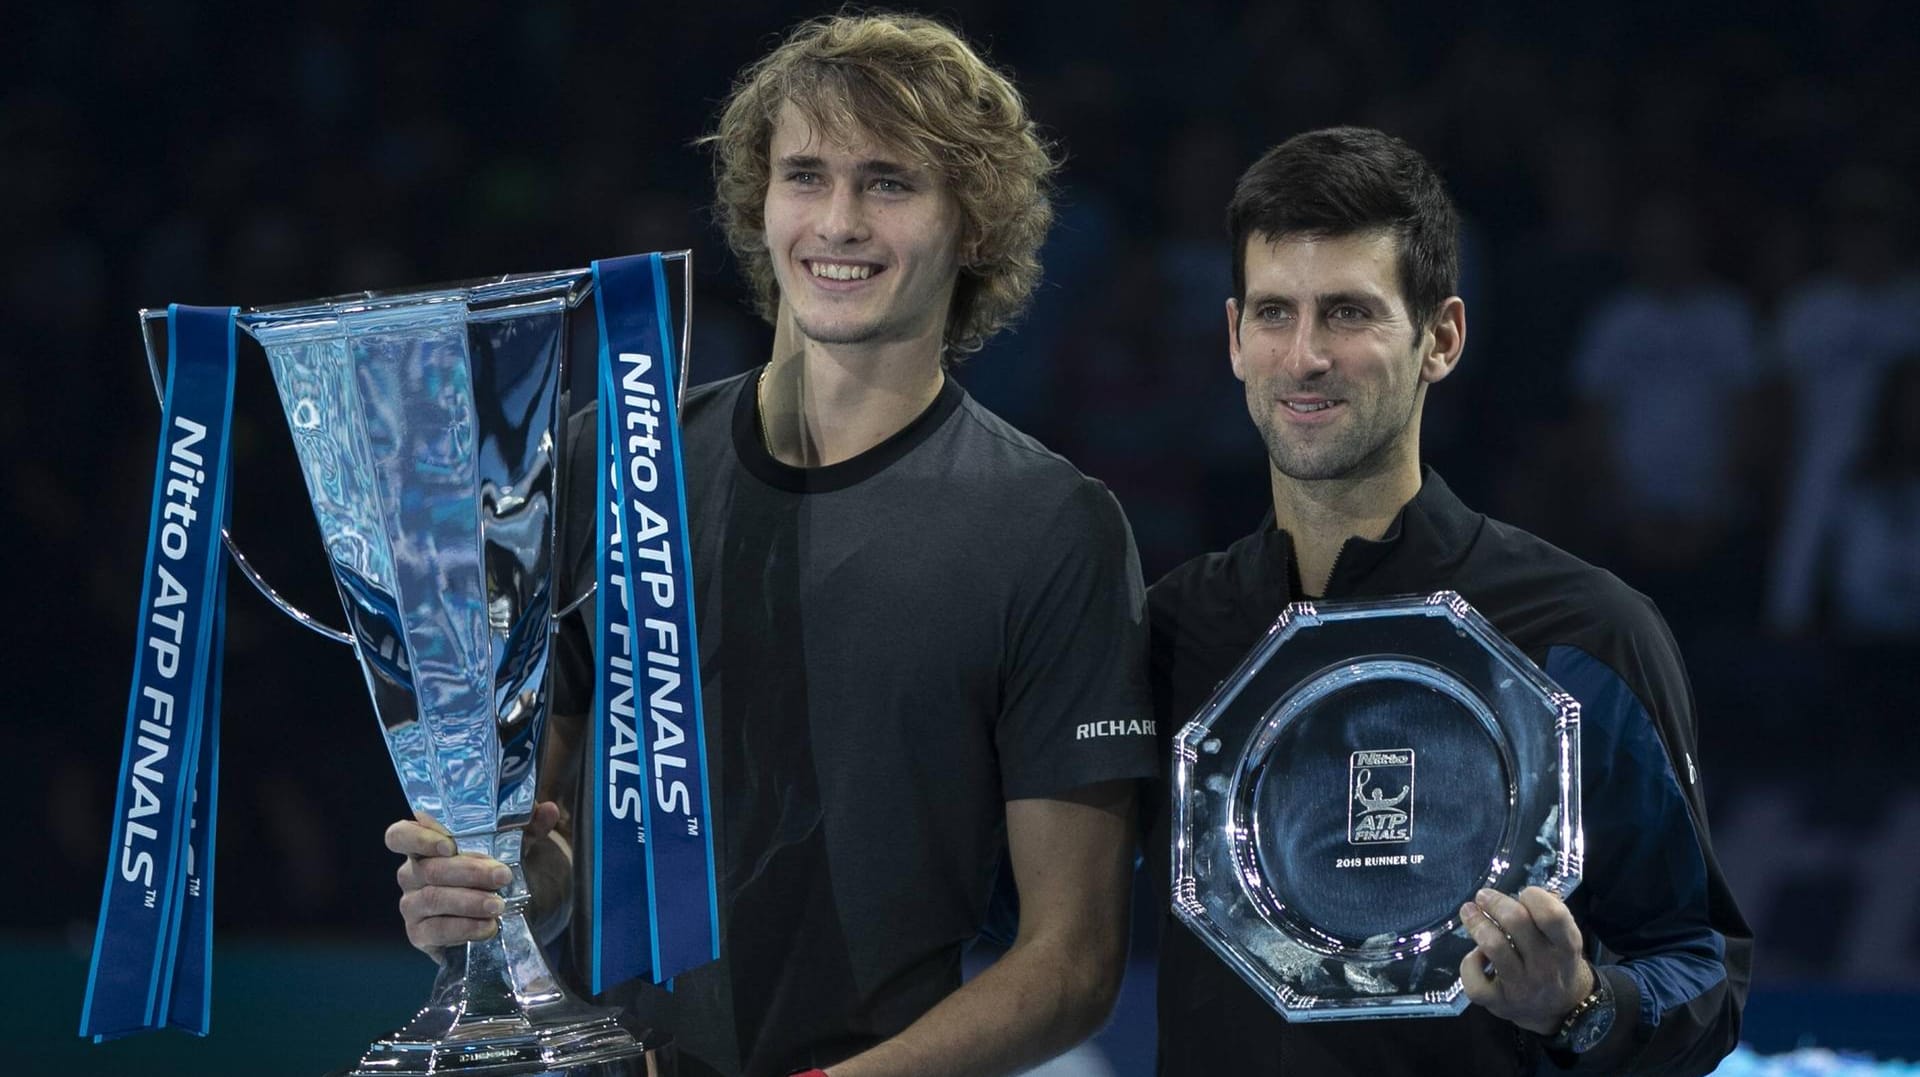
column 1527, row 966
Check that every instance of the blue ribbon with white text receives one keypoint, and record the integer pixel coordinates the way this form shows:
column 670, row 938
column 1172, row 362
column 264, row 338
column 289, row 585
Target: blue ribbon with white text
column 152, row 943
column 651, row 828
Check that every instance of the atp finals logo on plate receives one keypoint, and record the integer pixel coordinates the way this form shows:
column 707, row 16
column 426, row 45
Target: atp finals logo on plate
column 1380, row 796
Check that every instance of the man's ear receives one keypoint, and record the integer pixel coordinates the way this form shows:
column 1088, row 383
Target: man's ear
column 1233, row 338
column 1444, row 340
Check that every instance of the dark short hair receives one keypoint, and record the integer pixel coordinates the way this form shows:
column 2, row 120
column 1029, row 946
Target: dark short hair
column 1344, row 180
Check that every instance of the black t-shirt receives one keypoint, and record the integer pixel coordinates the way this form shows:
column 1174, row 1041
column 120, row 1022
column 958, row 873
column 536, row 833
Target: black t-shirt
column 891, row 648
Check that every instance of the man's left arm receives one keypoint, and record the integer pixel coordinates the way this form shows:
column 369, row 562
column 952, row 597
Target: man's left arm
column 1072, row 861
column 1660, row 948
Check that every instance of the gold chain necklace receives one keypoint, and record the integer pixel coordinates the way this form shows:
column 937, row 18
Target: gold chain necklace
column 760, row 409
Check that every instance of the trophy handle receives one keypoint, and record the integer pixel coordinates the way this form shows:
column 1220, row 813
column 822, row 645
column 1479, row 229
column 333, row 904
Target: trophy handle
column 266, row 589
column 685, row 258
column 148, row 318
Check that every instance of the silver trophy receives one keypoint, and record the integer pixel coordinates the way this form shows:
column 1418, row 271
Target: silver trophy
column 1365, row 771
column 430, row 427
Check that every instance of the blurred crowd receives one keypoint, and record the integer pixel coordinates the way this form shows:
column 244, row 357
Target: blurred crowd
column 1693, row 352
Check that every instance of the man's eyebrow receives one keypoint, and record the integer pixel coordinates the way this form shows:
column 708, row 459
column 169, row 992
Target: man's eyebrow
column 1356, row 298
column 1257, row 298
column 872, row 166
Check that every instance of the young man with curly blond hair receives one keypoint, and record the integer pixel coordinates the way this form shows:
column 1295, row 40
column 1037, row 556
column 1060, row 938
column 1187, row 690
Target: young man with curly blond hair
column 922, row 633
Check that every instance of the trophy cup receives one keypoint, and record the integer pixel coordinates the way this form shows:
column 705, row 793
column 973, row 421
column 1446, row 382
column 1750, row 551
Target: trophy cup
column 430, row 426
column 1366, row 769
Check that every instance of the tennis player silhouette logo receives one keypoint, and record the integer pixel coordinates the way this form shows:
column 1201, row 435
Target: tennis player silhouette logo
column 1374, row 814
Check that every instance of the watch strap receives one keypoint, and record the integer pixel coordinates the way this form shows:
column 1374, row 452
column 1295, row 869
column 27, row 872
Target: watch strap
column 1597, row 1006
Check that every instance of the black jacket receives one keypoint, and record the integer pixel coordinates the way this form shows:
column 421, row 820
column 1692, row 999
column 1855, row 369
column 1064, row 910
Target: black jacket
column 1656, row 914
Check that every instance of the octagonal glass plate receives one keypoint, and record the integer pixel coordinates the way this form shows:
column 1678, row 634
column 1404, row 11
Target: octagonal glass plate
column 1366, row 769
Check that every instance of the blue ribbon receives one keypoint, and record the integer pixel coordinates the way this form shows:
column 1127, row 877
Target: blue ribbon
column 651, row 830
column 192, row 980
column 151, row 946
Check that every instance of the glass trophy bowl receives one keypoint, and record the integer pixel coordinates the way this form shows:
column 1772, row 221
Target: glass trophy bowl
column 1365, row 770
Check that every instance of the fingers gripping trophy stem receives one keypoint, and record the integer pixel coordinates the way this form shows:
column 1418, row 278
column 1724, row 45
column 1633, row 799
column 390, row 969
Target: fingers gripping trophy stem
column 502, row 975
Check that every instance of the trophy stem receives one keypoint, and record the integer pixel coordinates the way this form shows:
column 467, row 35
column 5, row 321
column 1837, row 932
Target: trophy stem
column 496, row 1010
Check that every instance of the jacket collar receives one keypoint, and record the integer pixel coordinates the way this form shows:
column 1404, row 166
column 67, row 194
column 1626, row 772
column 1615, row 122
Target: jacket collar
column 1431, row 533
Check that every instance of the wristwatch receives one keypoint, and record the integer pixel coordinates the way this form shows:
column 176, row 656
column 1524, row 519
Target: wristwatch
column 1587, row 1023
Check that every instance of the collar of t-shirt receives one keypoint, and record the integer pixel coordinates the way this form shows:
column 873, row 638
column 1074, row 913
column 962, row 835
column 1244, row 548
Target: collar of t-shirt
column 750, row 444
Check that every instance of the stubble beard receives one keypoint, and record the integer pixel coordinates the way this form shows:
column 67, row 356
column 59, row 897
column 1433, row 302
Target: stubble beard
column 841, row 330
column 1358, row 450
column 859, row 333
column 884, row 326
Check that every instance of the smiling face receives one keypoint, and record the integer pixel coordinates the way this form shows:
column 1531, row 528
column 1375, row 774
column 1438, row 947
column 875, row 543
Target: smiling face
column 864, row 241
column 1335, row 369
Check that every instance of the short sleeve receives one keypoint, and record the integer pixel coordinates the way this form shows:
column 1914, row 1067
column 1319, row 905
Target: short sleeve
column 1075, row 704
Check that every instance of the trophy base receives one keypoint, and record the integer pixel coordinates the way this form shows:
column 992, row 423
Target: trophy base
column 497, row 1011
column 595, row 1048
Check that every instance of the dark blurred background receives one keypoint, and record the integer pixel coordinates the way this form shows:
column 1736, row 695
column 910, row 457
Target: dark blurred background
column 1693, row 358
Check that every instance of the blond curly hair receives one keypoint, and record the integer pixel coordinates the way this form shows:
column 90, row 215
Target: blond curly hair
column 910, row 83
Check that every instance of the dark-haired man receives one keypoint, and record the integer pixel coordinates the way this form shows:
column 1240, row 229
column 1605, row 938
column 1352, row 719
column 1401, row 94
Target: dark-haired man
column 1343, row 315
